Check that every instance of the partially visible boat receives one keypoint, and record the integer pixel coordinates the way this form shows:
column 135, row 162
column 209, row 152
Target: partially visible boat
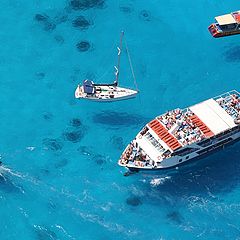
column 107, row 92
column 225, row 25
column 181, row 135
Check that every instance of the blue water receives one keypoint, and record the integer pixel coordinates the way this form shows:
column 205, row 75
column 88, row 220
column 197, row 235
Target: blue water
column 61, row 178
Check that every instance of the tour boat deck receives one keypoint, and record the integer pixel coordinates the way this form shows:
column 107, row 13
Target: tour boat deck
column 178, row 128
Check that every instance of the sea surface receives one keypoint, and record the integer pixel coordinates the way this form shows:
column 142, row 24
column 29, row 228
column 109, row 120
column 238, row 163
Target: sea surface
column 60, row 178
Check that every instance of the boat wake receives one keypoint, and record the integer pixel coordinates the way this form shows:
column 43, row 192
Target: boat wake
column 159, row 181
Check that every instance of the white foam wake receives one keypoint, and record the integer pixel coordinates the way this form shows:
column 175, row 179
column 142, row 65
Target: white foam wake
column 158, row 181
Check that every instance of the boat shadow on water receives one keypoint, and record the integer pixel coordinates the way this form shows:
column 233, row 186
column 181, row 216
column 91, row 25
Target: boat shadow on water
column 209, row 176
column 116, row 119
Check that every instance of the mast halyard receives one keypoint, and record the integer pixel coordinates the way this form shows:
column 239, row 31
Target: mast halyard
column 119, row 58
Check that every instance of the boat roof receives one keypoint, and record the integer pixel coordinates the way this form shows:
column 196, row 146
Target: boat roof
column 213, row 116
column 225, row 19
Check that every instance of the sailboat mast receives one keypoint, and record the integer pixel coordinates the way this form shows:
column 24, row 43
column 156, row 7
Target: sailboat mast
column 119, row 57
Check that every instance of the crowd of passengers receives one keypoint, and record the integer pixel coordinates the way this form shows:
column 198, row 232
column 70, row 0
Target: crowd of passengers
column 180, row 125
column 135, row 154
column 231, row 104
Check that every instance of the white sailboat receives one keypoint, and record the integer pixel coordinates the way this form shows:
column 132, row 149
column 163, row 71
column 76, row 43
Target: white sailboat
column 107, row 92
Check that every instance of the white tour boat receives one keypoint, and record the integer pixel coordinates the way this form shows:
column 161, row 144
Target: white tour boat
column 179, row 136
column 107, row 92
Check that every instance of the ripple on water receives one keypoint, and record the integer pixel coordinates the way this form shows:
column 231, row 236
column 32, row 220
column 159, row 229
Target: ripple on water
column 44, row 233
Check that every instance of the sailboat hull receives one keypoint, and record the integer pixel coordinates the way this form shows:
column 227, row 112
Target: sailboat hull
column 106, row 93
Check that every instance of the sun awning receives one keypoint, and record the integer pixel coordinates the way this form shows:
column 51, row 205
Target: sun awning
column 213, row 116
column 225, row 19
column 88, row 87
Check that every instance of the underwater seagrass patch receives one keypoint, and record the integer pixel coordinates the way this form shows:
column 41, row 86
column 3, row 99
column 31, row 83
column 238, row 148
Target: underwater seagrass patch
column 46, row 22
column 117, row 142
column 126, row 8
column 232, row 54
column 83, row 46
column 59, row 39
column 47, row 116
column 61, row 163
column 99, row 159
column 75, row 122
column 52, row 144
column 73, row 136
column 133, row 201
column 81, row 23
column 85, row 150
column 175, row 216
column 145, row 15
column 86, row 4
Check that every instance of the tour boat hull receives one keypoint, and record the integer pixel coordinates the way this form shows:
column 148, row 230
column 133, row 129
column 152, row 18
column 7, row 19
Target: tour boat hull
column 217, row 34
column 186, row 162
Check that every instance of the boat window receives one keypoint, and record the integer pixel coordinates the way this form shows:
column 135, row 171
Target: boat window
column 228, row 27
column 205, row 150
column 223, row 142
column 180, row 160
column 205, row 143
column 185, row 151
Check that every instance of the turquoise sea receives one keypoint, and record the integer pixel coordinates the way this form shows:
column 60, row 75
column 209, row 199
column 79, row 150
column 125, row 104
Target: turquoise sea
column 60, row 178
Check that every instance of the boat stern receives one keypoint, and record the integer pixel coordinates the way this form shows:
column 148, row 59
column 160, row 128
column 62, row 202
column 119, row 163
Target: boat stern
column 214, row 30
column 78, row 92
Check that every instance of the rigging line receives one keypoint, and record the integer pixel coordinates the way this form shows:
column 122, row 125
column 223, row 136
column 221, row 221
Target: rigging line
column 104, row 63
column 130, row 62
